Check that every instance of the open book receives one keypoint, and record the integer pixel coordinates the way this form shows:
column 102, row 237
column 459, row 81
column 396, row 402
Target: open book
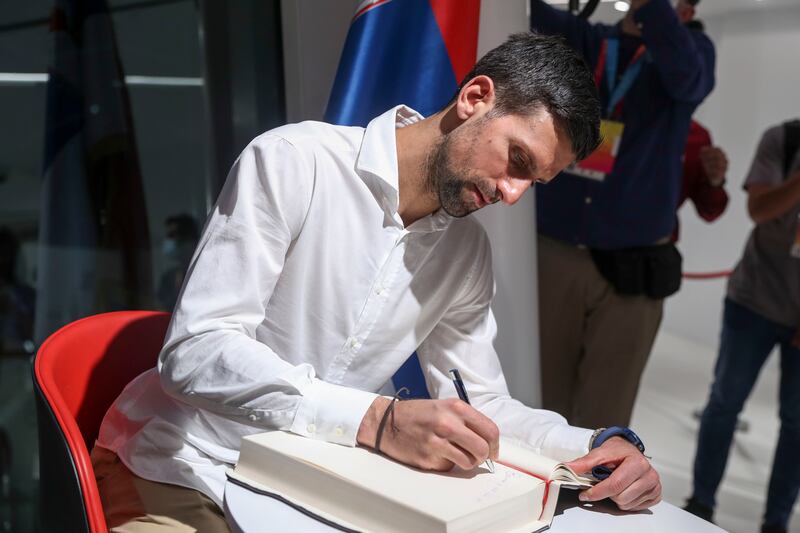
column 355, row 489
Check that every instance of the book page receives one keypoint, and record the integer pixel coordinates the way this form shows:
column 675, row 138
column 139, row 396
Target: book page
column 516, row 455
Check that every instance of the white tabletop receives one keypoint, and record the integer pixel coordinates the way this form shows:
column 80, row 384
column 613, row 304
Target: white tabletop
column 249, row 512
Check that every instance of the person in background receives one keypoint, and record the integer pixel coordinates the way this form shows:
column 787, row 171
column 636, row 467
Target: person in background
column 704, row 168
column 762, row 311
column 179, row 243
column 605, row 256
column 17, row 300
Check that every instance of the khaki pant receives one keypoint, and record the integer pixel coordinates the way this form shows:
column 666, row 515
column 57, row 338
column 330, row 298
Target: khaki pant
column 594, row 342
column 135, row 505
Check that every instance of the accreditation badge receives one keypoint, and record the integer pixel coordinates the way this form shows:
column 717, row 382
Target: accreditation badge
column 795, row 250
column 601, row 162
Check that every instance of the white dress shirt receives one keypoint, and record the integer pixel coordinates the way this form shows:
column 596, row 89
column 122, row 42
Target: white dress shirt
column 305, row 295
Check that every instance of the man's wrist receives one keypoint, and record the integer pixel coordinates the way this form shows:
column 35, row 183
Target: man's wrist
column 368, row 429
column 601, row 435
column 594, row 437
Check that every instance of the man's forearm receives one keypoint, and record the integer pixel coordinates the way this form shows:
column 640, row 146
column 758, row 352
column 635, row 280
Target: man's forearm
column 579, row 33
column 683, row 59
column 766, row 205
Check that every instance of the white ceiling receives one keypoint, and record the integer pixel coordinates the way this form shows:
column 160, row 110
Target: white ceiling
column 707, row 8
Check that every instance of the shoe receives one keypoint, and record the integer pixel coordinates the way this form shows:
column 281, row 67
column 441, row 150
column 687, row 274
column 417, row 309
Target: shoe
column 772, row 529
column 701, row 510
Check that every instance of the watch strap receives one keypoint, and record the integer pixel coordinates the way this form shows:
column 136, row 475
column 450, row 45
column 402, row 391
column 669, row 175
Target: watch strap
column 603, row 434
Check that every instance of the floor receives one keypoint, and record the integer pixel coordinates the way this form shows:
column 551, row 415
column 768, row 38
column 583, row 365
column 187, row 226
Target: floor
column 674, row 386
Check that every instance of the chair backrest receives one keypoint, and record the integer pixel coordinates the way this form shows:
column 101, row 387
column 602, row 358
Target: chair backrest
column 78, row 373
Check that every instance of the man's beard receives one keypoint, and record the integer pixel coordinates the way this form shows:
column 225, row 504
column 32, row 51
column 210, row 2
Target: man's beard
column 449, row 184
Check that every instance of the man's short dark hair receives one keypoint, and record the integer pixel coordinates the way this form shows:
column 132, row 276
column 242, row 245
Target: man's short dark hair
column 531, row 72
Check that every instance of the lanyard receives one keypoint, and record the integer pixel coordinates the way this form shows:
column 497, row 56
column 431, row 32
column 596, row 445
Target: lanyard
column 608, row 62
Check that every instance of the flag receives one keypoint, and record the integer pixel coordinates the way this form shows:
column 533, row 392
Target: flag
column 413, row 52
column 94, row 243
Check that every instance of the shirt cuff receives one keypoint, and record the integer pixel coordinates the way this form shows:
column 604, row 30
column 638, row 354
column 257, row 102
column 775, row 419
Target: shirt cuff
column 331, row 412
column 565, row 443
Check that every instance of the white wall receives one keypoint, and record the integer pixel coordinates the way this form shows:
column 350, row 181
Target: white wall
column 313, row 37
column 758, row 82
column 512, row 232
column 314, row 33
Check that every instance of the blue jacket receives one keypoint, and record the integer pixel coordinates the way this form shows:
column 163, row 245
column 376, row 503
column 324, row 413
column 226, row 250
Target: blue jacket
column 635, row 204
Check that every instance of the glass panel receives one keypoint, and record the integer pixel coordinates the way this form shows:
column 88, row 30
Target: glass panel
column 102, row 184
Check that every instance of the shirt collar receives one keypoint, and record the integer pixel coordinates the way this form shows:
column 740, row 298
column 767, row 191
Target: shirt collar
column 377, row 165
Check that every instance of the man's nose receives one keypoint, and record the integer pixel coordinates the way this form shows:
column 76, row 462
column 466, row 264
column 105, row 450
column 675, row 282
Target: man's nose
column 512, row 189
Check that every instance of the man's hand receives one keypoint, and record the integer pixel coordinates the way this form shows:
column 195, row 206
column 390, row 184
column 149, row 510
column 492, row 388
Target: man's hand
column 796, row 339
column 715, row 164
column 633, row 485
column 432, row 434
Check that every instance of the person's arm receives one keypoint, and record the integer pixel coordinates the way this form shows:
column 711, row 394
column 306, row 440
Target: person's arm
column 584, row 37
column 464, row 339
column 211, row 358
column 684, row 58
column 769, row 196
column 708, row 194
column 768, row 202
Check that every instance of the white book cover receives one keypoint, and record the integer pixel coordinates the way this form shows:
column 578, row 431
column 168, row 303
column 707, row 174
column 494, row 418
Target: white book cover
column 360, row 490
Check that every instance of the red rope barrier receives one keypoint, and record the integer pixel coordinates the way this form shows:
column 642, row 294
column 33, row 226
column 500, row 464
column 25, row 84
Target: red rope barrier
column 707, row 275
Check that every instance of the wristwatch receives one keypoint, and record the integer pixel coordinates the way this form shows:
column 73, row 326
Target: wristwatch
column 601, row 435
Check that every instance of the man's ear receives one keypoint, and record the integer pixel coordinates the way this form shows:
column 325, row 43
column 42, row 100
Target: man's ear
column 475, row 97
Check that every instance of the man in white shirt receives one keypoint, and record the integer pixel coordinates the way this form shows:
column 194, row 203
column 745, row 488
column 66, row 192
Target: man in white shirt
column 331, row 255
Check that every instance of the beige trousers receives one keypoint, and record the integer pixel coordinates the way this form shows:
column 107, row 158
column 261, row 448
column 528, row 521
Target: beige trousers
column 594, row 342
column 135, row 505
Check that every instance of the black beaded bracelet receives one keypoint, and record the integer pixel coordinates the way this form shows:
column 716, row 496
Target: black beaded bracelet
column 389, row 411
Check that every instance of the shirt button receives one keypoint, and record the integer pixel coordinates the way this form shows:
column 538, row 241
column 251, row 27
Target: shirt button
column 354, row 343
column 311, row 428
column 588, row 199
column 252, row 417
column 378, row 290
column 339, row 431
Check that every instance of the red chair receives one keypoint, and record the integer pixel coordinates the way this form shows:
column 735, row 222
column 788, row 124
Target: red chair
column 78, row 373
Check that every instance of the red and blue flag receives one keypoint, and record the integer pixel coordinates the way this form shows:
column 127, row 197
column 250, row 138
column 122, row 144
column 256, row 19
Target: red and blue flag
column 413, row 52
